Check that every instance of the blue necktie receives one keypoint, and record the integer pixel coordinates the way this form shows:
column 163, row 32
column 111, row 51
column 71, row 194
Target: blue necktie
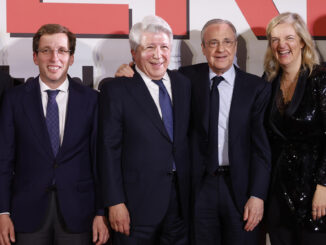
column 52, row 120
column 213, row 126
column 166, row 108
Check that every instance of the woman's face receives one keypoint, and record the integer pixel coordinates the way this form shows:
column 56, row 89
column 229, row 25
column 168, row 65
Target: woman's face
column 286, row 45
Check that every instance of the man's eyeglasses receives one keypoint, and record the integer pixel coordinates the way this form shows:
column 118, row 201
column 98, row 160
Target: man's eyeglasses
column 227, row 43
column 60, row 52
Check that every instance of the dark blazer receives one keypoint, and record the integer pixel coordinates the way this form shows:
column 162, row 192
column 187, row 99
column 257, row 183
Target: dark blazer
column 5, row 83
column 249, row 152
column 27, row 164
column 135, row 152
column 298, row 144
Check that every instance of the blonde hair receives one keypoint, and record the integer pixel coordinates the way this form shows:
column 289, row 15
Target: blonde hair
column 309, row 53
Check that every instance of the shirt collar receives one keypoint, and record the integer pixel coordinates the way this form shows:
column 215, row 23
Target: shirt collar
column 146, row 78
column 229, row 75
column 63, row 87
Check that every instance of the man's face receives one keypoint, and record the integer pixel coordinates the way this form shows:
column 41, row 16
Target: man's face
column 153, row 54
column 53, row 59
column 219, row 47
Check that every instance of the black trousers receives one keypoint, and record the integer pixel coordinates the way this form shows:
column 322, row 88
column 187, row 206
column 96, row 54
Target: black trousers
column 172, row 230
column 217, row 219
column 53, row 231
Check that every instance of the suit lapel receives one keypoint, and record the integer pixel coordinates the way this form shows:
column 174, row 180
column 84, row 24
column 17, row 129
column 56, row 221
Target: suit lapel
column 178, row 96
column 75, row 110
column 34, row 111
column 201, row 90
column 298, row 93
column 139, row 91
column 241, row 92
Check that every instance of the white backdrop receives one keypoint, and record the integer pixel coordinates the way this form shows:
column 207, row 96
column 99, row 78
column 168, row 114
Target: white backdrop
column 105, row 54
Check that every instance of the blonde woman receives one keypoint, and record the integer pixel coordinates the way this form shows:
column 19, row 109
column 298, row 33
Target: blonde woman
column 296, row 124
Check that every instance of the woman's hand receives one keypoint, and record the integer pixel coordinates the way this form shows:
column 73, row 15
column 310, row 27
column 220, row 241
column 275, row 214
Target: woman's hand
column 319, row 202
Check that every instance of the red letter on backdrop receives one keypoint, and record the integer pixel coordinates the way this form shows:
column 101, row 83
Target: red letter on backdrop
column 109, row 20
column 176, row 14
column 316, row 18
column 26, row 16
column 258, row 13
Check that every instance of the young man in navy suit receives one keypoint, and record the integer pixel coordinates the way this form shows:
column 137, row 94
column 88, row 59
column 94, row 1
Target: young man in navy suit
column 48, row 129
column 143, row 149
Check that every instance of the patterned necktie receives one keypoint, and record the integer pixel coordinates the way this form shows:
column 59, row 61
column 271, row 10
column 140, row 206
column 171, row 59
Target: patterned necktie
column 166, row 108
column 52, row 120
column 213, row 126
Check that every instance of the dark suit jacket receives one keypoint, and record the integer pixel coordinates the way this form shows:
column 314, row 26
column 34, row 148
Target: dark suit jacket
column 135, row 152
column 5, row 83
column 27, row 164
column 249, row 152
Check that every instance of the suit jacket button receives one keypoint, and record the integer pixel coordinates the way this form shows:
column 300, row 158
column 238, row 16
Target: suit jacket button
column 55, row 165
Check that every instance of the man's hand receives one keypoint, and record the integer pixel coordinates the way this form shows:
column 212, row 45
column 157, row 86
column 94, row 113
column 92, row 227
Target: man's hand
column 119, row 218
column 125, row 70
column 253, row 213
column 319, row 202
column 100, row 230
column 7, row 232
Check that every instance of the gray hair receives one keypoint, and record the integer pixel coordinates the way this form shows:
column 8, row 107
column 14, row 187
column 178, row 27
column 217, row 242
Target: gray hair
column 217, row 21
column 152, row 24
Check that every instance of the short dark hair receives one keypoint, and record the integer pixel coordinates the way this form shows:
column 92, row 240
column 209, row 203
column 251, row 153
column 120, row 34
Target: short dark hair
column 53, row 29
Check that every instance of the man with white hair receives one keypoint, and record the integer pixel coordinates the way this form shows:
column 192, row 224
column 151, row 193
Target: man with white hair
column 143, row 144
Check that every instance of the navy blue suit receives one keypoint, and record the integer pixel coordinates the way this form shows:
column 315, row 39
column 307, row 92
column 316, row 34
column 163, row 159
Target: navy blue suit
column 136, row 153
column 249, row 153
column 5, row 83
column 28, row 166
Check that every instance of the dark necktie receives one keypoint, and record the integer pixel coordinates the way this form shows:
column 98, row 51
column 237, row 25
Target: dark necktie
column 52, row 120
column 166, row 108
column 213, row 125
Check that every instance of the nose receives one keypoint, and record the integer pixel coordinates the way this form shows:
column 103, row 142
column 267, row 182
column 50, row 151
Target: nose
column 282, row 42
column 54, row 55
column 157, row 53
column 220, row 47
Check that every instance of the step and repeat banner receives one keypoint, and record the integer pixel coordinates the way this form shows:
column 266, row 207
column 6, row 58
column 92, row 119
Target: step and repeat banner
column 102, row 28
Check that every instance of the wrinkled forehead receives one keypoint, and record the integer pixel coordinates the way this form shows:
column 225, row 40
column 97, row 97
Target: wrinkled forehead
column 160, row 37
column 219, row 31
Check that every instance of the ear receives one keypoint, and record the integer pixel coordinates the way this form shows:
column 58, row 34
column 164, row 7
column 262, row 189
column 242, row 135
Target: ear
column 302, row 44
column 133, row 54
column 35, row 58
column 203, row 48
column 72, row 59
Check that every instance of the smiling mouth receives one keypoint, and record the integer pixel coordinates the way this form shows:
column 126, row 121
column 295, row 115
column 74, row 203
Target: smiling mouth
column 284, row 52
column 53, row 68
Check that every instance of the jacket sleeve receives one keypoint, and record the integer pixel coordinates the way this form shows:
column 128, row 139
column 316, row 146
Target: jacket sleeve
column 110, row 140
column 260, row 164
column 321, row 168
column 7, row 149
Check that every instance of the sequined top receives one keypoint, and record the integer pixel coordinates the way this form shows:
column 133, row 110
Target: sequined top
column 297, row 135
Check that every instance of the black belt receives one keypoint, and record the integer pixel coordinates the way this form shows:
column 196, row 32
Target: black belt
column 222, row 170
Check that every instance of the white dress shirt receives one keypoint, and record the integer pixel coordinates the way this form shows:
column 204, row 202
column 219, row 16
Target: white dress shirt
column 225, row 89
column 154, row 90
column 62, row 101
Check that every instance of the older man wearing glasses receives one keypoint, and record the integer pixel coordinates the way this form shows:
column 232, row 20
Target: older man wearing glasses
column 231, row 153
column 48, row 130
